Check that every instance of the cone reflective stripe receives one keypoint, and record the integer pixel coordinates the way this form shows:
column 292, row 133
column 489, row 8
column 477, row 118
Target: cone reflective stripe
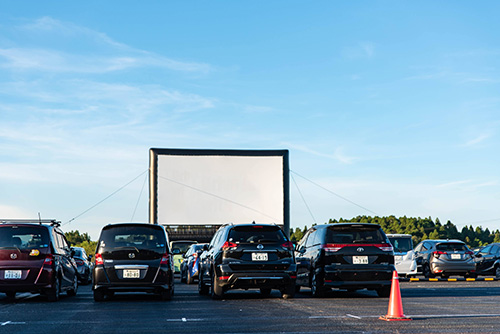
column 395, row 311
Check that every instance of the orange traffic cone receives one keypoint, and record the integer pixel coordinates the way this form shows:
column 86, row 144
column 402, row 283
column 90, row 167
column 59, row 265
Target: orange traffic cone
column 395, row 311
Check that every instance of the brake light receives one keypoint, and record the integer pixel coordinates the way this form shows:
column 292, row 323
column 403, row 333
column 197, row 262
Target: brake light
column 223, row 278
column 48, row 260
column 469, row 253
column 438, row 253
column 229, row 245
column 386, row 247
column 79, row 262
column 98, row 259
column 332, row 248
column 165, row 259
column 287, row 245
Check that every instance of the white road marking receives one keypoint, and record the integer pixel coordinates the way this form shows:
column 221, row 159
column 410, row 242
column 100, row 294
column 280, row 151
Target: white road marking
column 353, row 316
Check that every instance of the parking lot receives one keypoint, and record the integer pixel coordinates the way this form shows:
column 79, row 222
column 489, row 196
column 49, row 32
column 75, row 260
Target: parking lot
column 435, row 307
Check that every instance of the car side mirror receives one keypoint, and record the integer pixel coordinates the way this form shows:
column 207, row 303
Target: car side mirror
column 176, row 251
column 72, row 252
column 89, row 258
column 205, row 247
column 478, row 255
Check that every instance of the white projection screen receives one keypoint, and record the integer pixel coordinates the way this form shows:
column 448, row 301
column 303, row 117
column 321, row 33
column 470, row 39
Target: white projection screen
column 214, row 187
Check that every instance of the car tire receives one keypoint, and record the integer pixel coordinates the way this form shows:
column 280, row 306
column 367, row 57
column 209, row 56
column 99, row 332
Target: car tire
column 54, row 293
column 11, row 294
column 426, row 270
column 202, row 288
column 189, row 279
column 183, row 278
column 166, row 294
column 216, row 291
column 265, row 292
column 317, row 290
column 297, row 288
column 288, row 291
column 99, row 295
column 384, row 292
column 470, row 275
column 74, row 288
column 497, row 272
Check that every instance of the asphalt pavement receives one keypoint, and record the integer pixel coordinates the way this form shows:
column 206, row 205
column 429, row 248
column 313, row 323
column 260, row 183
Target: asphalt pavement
column 435, row 307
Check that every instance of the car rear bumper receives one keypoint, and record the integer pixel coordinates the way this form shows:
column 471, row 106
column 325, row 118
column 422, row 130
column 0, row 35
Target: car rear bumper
column 452, row 268
column 358, row 276
column 100, row 280
column 230, row 279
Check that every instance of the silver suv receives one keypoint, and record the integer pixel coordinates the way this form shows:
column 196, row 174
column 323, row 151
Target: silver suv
column 444, row 258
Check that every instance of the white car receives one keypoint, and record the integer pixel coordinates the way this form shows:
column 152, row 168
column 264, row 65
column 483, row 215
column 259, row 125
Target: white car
column 404, row 256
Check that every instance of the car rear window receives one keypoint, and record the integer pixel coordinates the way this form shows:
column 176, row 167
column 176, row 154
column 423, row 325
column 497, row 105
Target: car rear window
column 354, row 234
column 24, row 237
column 182, row 246
column 451, row 246
column 401, row 244
column 256, row 234
column 140, row 237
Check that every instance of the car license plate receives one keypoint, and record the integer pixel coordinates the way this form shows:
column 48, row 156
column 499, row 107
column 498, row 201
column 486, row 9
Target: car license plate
column 456, row 256
column 131, row 273
column 13, row 274
column 259, row 257
column 360, row 260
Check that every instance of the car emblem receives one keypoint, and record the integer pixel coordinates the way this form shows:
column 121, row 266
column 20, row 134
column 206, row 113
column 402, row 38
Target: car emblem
column 13, row 256
column 360, row 249
column 259, row 246
column 131, row 255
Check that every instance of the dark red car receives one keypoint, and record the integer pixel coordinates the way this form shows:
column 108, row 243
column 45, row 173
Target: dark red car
column 35, row 257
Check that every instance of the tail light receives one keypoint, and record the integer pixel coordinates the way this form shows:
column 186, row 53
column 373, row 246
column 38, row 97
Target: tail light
column 229, row 245
column 469, row 253
column 49, row 259
column 287, row 245
column 98, row 259
column 165, row 259
column 438, row 253
column 332, row 248
column 79, row 262
column 386, row 247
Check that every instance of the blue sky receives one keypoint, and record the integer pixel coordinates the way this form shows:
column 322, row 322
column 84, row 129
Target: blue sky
column 393, row 105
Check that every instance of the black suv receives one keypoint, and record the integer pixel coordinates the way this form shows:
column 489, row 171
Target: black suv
column 487, row 260
column 348, row 256
column 245, row 256
column 133, row 257
column 35, row 257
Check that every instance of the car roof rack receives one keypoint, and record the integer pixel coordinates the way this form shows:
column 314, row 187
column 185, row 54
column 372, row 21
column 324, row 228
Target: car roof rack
column 52, row 222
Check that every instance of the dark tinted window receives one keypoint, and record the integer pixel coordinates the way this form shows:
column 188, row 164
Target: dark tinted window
column 183, row 246
column 356, row 234
column 256, row 234
column 140, row 237
column 24, row 237
column 401, row 244
column 451, row 246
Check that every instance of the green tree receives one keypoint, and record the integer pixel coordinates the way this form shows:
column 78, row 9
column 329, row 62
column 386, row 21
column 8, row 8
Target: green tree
column 74, row 237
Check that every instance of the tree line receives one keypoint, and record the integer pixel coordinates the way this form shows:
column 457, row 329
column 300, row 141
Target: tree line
column 419, row 228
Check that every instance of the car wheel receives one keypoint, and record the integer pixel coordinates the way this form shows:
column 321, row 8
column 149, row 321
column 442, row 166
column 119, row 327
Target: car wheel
column 183, row 278
column 99, row 295
column 497, row 272
column 470, row 275
column 202, row 288
column 427, row 272
column 216, row 291
column 265, row 292
column 166, row 294
column 11, row 294
column 316, row 289
column 74, row 287
column 54, row 293
column 297, row 288
column 189, row 279
column 384, row 292
column 288, row 291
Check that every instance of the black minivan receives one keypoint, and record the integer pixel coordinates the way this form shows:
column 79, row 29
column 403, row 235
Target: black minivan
column 350, row 256
column 248, row 256
column 133, row 257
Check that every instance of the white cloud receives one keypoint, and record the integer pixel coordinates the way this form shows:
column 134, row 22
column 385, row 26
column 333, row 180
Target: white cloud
column 477, row 140
column 361, row 50
column 106, row 55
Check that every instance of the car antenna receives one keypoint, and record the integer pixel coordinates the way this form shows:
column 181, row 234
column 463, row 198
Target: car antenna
column 39, row 218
